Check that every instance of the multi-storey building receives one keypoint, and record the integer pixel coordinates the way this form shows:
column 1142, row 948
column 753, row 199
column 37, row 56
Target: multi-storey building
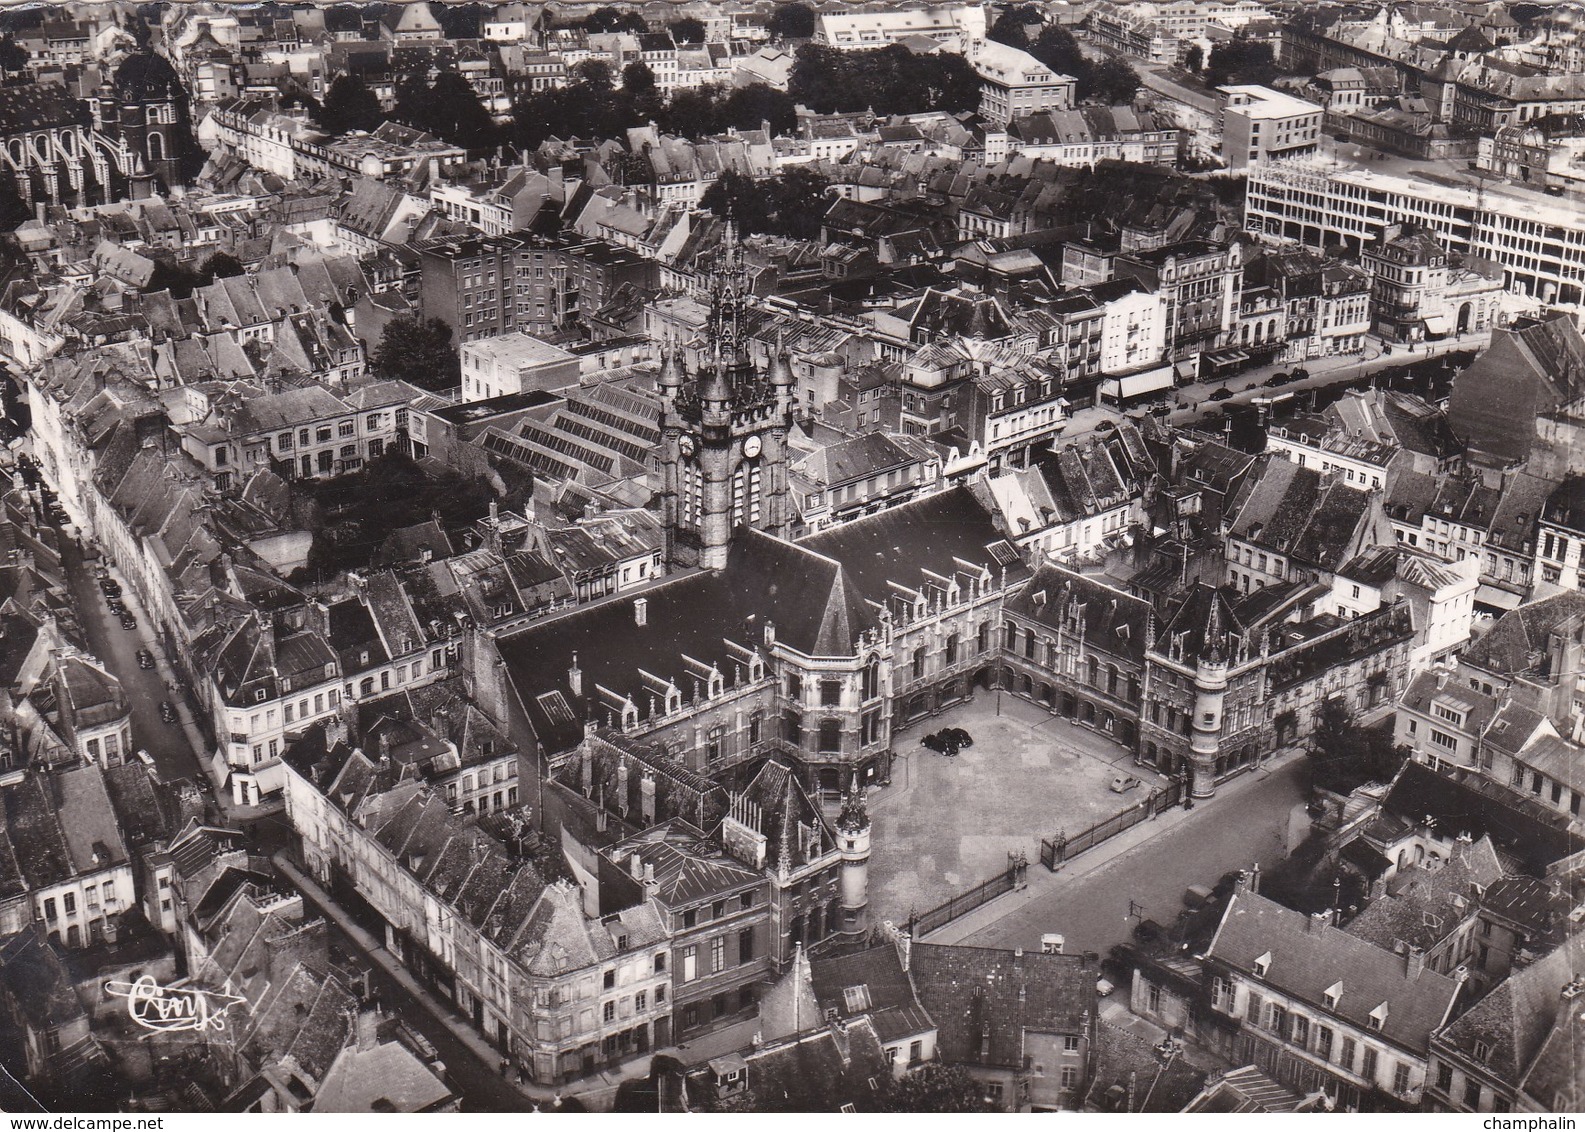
column 1560, row 537
column 1534, row 239
column 1259, row 125
column 1014, row 83
column 560, row 993
column 717, row 912
column 1200, row 282
column 952, row 24
column 1318, row 1009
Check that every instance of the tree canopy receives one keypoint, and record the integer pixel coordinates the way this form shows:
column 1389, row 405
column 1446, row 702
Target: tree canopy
column 1240, row 61
column 791, row 204
column 1110, row 81
column 447, row 108
column 892, row 80
column 791, row 21
column 607, row 19
column 935, row 1087
column 687, row 30
column 418, row 351
column 349, row 105
column 1012, row 23
column 1345, row 755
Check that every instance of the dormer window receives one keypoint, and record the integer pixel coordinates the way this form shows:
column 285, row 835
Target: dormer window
column 1332, row 995
column 1378, row 1017
column 1262, row 965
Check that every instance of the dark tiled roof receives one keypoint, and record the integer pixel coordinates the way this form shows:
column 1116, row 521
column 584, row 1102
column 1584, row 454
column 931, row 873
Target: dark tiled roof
column 979, row 992
column 1472, row 804
column 1110, row 620
column 1308, row 956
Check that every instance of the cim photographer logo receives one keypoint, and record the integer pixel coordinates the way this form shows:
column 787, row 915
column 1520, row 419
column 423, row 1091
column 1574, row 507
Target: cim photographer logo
column 172, row 1009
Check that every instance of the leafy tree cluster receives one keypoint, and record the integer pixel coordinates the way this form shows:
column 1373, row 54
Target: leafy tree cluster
column 447, row 108
column 1111, row 81
column 791, row 21
column 892, row 80
column 418, row 351
column 609, row 19
column 787, row 205
column 935, row 1087
column 687, row 30
column 360, row 510
column 1240, row 61
column 592, row 106
column 1345, row 755
column 13, row 60
column 1012, row 23
column 181, row 279
column 349, row 105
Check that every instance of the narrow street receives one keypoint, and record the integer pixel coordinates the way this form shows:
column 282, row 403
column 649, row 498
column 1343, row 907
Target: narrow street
column 117, row 648
column 1097, row 908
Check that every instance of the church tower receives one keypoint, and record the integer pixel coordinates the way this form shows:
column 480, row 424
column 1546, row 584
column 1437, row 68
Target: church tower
column 723, row 428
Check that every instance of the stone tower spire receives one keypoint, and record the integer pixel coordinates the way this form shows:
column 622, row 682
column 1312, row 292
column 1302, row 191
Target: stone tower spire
column 853, row 841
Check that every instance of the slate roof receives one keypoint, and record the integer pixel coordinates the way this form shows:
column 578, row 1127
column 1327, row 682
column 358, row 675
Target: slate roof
column 36, row 981
column 38, row 106
column 1530, row 369
column 1298, row 513
column 1424, row 906
column 1517, row 643
column 688, row 869
column 972, row 992
column 873, row 983
column 805, row 595
column 1060, row 599
column 1511, row 1024
column 1470, row 803
column 815, row 1072
column 1308, row 957
column 383, row 1078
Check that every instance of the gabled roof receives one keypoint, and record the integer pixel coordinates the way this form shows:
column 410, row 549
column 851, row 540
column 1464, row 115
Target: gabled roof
column 1308, row 956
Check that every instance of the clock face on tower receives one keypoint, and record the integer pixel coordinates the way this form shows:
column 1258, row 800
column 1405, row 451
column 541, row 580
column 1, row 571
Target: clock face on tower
column 751, row 447
column 686, row 445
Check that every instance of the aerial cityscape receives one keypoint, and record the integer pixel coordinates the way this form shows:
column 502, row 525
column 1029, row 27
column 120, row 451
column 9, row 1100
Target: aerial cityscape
column 773, row 556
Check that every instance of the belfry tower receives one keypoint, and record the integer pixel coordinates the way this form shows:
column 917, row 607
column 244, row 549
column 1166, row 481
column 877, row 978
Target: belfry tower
column 723, row 428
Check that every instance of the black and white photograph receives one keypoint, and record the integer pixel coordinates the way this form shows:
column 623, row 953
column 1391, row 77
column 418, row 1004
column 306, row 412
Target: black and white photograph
column 893, row 557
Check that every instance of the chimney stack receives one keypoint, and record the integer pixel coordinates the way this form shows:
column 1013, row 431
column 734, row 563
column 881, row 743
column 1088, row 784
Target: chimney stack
column 1414, row 961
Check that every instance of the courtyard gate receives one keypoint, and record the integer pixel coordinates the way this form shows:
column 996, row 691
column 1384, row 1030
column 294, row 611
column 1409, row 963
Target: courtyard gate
column 1055, row 850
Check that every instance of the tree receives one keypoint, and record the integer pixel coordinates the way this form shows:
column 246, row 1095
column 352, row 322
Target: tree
column 1057, row 49
column 1111, row 81
column 596, row 74
column 637, row 77
column 749, row 107
column 1012, row 23
column 1194, row 58
column 418, row 351
column 12, row 57
column 791, row 21
column 934, row 1087
column 791, row 204
column 687, row 30
column 608, row 19
column 457, row 115
column 1240, row 61
column 349, row 105
column 220, row 265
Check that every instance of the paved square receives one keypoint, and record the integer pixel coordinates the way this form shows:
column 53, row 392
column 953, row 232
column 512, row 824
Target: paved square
column 945, row 824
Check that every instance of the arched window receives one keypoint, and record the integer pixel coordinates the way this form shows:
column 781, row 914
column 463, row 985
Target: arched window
column 1111, row 679
column 872, row 679
column 919, row 662
column 1092, row 672
column 156, row 147
column 1010, row 641
column 952, row 649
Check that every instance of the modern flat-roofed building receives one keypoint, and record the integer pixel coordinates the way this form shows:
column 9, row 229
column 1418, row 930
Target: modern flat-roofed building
column 514, row 363
column 1260, row 124
column 1536, row 240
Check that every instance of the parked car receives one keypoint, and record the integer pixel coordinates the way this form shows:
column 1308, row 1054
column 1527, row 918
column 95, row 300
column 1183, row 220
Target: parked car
column 167, row 711
column 145, row 659
column 1221, row 394
column 128, row 621
column 117, row 608
column 1299, row 374
column 1123, row 783
column 1161, row 410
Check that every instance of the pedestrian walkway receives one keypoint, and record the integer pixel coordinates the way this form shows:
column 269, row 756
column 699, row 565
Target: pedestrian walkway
column 1042, row 881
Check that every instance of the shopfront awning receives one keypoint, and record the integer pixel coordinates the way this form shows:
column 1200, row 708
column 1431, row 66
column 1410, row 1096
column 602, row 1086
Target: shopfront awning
column 1495, row 598
column 1227, row 357
column 1438, row 324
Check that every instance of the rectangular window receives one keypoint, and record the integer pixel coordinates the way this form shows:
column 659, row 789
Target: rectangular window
column 690, row 961
column 1400, row 1078
column 641, row 1001
column 1346, row 1059
column 1367, row 1068
column 1070, row 1043
column 718, row 954
column 1323, row 1042
column 745, row 945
